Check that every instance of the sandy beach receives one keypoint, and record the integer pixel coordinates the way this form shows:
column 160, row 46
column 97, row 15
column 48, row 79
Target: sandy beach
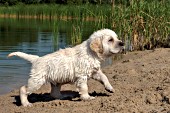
column 141, row 80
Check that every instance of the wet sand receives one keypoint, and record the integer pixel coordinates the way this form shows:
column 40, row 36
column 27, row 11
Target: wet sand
column 141, row 80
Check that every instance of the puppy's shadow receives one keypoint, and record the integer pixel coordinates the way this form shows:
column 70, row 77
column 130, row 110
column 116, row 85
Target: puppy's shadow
column 45, row 97
column 94, row 93
column 69, row 95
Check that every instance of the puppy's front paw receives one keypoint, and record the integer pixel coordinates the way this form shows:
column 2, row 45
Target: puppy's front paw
column 110, row 89
column 86, row 97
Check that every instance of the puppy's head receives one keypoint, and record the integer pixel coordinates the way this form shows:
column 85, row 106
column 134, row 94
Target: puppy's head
column 105, row 43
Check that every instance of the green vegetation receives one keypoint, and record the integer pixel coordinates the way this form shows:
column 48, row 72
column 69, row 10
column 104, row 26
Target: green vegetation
column 78, row 2
column 76, row 36
column 141, row 24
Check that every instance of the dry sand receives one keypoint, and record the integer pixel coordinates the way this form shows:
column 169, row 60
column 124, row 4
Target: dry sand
column 141, row 80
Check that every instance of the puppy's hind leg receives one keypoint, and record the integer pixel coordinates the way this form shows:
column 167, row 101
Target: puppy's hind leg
column 23, row 96
column 55, row 91
column 33, row 85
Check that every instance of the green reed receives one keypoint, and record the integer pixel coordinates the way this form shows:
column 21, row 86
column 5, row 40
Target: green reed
column 76, row 35
column 55, row 35
column 145, row 24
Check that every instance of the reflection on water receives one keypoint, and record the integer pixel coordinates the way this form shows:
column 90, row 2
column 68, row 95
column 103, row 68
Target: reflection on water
column 33, row 37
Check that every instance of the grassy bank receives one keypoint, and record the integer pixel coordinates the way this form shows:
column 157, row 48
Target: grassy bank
column 141, row 24
column 44, row 11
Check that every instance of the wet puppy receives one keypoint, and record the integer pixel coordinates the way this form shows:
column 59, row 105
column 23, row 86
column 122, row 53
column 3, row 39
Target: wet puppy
column 71, row 65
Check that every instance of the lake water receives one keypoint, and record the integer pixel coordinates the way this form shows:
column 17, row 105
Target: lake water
column 31, row 36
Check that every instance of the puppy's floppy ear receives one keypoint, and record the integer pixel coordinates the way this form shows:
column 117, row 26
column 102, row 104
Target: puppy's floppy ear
column 96, row 45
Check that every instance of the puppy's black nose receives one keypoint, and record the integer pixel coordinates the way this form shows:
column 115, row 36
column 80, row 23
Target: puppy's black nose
column 121, row 44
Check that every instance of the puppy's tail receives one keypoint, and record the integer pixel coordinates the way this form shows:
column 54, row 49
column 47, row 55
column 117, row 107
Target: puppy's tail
column 25, row 56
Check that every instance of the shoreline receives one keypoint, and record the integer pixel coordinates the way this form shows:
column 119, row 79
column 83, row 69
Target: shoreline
column 141, row 80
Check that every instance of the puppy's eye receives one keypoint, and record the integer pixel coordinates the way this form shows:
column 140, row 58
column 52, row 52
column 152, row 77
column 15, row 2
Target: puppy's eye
column 111, row 40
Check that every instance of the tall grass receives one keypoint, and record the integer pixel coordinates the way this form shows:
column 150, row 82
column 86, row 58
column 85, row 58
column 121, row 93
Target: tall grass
column 145, row 25
column 55, row 35
column 141, row 24
column 42, row 11
column 76, row 35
